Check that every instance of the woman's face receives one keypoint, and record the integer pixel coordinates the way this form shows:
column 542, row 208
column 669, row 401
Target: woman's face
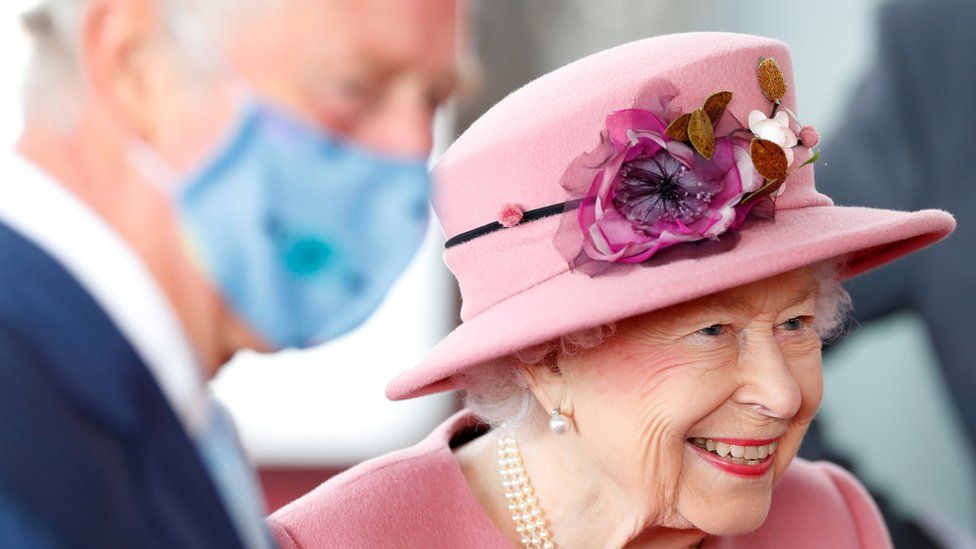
column 735, row 372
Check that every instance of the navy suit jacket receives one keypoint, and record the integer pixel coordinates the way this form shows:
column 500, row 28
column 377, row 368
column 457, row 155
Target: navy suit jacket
column 91, row 454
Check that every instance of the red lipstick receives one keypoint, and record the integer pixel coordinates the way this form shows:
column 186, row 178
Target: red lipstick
column 736, row 469
column 746, row 441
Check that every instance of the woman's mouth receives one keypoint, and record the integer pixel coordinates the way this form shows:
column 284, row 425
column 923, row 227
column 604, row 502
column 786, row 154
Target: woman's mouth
column 737, row 456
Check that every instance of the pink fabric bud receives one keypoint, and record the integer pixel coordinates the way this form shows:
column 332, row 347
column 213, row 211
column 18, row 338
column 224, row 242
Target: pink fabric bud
column 809, row 137
column 511, row 215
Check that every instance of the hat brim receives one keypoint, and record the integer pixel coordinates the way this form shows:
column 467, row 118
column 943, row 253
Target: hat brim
column 868, row 237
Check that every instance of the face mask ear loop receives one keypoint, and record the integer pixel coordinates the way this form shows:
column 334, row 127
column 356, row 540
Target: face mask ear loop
column 153, row 168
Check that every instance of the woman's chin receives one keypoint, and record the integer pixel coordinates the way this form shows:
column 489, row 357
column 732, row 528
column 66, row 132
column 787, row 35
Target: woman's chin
column 737, row 526
column 726, row 520
column 721, row 500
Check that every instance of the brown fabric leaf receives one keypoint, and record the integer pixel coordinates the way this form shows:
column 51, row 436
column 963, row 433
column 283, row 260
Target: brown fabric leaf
column 768, row 158
column 701, row 133
column 678, row 128
column 771, row 80
column 715, row 105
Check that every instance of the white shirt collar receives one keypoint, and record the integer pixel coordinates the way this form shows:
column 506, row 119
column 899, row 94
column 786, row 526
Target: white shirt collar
column 47, row 214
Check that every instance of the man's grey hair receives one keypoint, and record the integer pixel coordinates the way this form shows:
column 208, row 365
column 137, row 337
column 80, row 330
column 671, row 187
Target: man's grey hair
column 497, row 393
column 54, row 85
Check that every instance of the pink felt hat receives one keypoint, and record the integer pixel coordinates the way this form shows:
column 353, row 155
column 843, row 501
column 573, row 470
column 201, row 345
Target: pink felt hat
column 515, row 186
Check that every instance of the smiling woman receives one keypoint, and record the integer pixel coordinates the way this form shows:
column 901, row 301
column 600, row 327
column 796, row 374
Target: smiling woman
column 655, row 278
column 710, row 398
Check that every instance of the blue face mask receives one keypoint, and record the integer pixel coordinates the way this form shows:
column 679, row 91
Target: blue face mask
column 302, row 231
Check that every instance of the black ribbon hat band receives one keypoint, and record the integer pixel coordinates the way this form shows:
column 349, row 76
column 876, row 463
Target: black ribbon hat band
column 530, row 215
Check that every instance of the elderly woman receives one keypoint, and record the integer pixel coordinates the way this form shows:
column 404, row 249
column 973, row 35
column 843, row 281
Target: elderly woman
column 648, row 273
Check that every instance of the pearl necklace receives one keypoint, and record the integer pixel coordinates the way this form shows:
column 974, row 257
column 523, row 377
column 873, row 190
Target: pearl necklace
column 528, row 518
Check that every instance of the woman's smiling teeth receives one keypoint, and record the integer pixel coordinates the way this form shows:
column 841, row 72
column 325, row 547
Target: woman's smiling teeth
column 733, row 453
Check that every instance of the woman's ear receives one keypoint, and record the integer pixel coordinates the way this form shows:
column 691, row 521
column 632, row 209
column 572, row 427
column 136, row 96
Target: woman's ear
column 550, row 384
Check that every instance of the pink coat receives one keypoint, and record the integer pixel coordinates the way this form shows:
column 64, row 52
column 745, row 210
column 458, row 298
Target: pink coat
column 418, row 497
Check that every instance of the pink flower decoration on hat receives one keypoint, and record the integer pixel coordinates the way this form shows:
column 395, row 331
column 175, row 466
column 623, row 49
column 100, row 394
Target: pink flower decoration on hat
column 655, row 192
column 511, row 215
column 809, row 137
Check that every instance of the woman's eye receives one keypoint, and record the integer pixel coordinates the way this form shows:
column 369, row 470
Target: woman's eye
column 793, row 324
column 713, row 330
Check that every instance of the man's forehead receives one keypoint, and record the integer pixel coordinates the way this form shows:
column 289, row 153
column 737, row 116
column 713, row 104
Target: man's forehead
column 417, row 25
column 335, row 30
column 426, row 41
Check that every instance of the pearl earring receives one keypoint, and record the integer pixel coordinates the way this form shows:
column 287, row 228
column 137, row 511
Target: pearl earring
column 558, row 423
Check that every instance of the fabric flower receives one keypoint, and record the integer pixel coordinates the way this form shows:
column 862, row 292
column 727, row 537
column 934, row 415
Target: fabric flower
column 654, row 192
column 511, row 215
column 776, row 129
column 809, row 137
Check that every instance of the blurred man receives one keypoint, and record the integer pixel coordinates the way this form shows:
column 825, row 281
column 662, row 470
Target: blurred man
column 195, row 177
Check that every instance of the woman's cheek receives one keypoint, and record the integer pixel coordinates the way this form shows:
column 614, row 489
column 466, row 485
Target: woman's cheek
column 677, row 389
column 802, row 344
column 627, row 397
column 809, row 378
column 806, row 365
column 678, row 394
column 642, row 400
column 622, row 368
column 627, row 394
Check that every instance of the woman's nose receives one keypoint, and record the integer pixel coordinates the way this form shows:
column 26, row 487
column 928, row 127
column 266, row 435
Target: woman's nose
column 768, row 384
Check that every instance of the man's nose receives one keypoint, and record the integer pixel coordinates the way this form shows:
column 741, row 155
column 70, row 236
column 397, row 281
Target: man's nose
column 403, row 126
column 768, row 384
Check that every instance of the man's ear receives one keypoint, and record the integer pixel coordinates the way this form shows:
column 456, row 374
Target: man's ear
column 550, row 385
column 116, row 39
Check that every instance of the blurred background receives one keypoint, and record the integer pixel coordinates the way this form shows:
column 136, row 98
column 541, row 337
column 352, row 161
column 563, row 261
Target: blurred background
column 887, row 412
